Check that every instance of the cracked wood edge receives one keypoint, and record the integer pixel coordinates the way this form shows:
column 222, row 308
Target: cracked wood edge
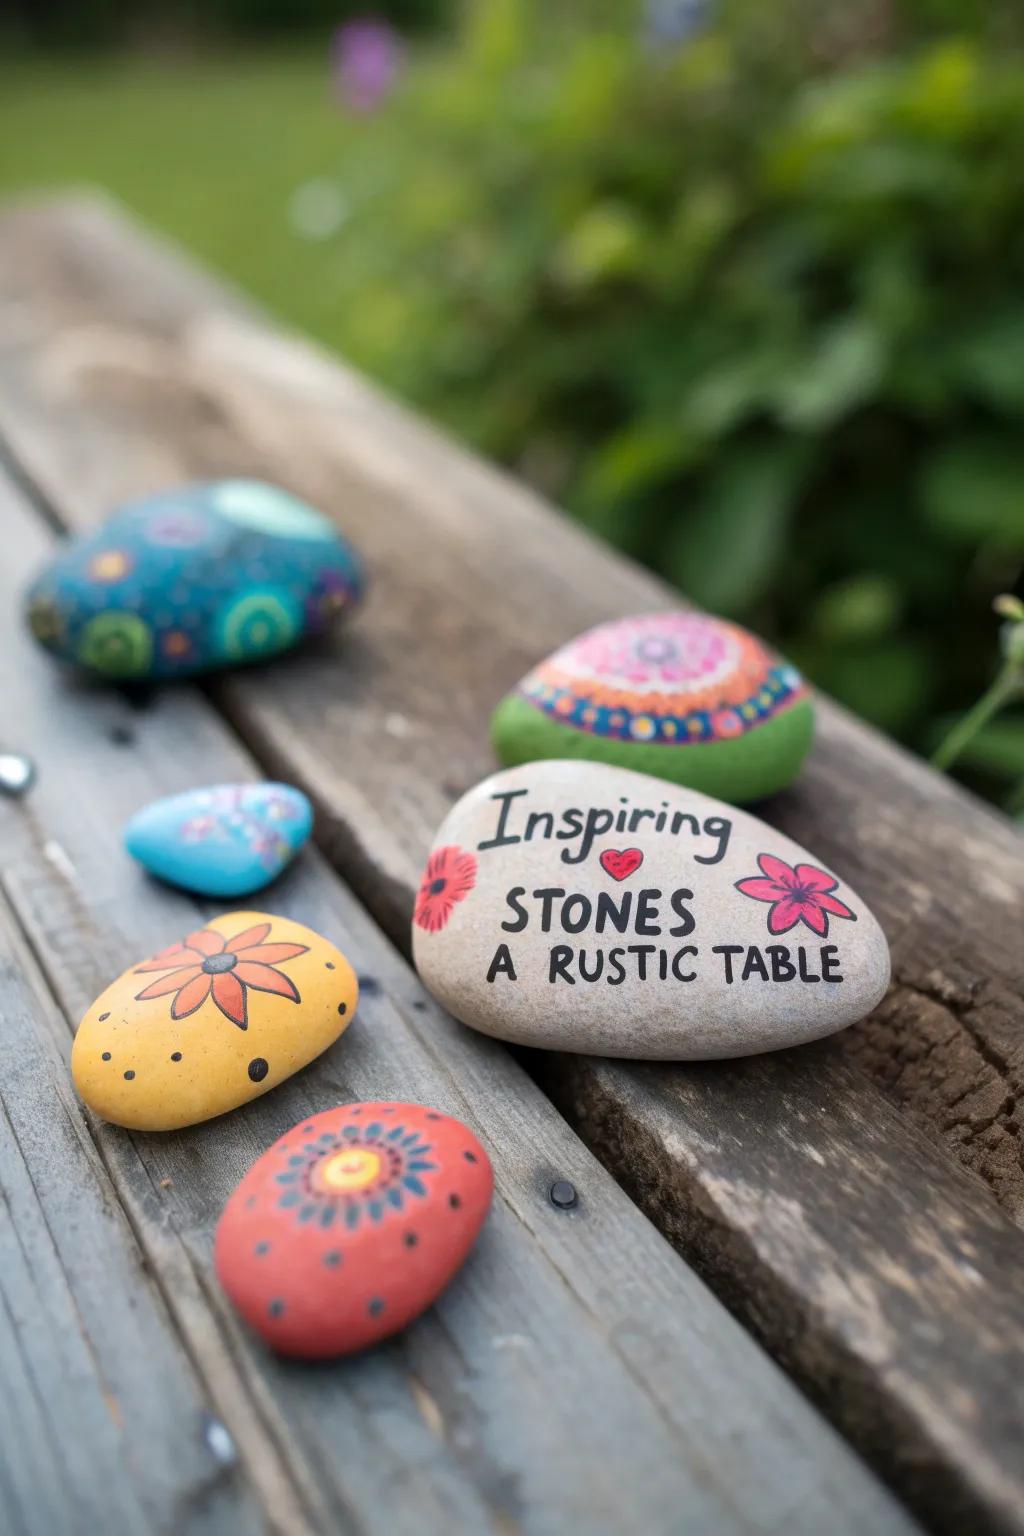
column 98, row 404
column 551, row 1388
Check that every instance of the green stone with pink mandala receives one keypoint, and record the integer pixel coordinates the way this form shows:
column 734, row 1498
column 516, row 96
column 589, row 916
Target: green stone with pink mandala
column 682, row 696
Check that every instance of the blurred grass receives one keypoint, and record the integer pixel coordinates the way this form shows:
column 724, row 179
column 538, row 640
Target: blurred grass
column 752, row 308
column 210, row 152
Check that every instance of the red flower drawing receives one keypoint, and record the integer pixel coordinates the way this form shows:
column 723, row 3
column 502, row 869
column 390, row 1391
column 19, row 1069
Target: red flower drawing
column 449, row 877
column 205, row 964
column 800, row 895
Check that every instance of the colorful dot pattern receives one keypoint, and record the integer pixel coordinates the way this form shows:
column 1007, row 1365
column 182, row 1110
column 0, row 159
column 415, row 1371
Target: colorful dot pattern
column 195, row 578
column 664, row 680
column 351, row 1224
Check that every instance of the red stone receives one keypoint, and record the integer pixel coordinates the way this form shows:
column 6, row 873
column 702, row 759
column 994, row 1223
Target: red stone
column 351, row 1225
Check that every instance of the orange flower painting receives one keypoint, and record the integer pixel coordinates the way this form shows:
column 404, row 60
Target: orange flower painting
column 205, row 964
column 449, row 877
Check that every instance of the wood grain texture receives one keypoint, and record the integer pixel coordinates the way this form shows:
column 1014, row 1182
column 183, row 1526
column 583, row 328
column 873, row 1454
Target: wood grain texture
column 104, row 1425
column 552, row 1388
column 876, row 1273
column 473, row 579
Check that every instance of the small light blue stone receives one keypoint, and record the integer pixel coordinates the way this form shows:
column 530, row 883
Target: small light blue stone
column 228, row 840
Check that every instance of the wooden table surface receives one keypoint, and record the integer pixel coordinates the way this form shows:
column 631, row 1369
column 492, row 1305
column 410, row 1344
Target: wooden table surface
column 790, row 1297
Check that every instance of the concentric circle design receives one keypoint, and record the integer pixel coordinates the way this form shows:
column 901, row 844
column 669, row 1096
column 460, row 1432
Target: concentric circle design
column 664, row 679
column 351, row 1224
column 357, row 1174
column 348, row 1171
column 194, row 578
column 260, row 624
column 118, row 644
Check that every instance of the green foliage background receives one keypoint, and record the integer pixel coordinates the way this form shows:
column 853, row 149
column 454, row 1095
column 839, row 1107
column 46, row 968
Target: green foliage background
column 751, row 304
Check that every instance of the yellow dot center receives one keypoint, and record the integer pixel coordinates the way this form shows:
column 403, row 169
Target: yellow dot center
column 110, row 565
column 354, row 1168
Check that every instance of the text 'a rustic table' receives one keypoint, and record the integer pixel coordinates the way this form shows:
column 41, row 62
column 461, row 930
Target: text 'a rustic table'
column 789, row 1295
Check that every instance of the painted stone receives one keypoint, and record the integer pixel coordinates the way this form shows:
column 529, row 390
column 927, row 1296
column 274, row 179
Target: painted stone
column 211, row 1022
column 199, row 577
column 351, row 1225
column 580, row 907
column 684, row 696
column 226, row 841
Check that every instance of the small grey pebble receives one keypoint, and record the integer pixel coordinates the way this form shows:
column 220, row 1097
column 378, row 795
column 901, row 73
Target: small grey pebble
column 218, row 1440
column 17, row 773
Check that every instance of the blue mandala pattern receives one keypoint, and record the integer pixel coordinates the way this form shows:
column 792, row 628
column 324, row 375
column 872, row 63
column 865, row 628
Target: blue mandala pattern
column 781, row 685
column 356, row 1175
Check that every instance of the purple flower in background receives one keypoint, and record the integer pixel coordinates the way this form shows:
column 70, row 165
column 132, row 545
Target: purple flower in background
column 671, row 22
column 367, row 57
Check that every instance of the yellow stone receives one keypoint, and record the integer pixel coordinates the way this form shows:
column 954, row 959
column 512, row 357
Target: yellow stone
column 212, row 1022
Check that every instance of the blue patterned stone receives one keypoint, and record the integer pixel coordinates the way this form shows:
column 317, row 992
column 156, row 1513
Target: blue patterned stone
column 229, row 840
column 200, row 577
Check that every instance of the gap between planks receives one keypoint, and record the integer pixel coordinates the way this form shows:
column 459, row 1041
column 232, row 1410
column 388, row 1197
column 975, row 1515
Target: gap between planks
column 92, row 1334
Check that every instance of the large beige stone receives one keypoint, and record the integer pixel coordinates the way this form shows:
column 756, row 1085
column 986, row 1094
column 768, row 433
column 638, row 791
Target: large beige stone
column 580, row 907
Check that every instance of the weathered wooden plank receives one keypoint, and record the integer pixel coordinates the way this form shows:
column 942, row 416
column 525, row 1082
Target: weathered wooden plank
column 103, row 1424
column 891, row 1289
column 385, row 730
column 553, row 1388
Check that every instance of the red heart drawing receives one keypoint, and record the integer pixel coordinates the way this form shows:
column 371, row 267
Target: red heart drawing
column 620, row 863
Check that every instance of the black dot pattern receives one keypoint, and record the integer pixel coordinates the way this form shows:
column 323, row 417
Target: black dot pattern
column 258, row 1069
column 129, row 1076
column 106, row 1055
column 303, row 1195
